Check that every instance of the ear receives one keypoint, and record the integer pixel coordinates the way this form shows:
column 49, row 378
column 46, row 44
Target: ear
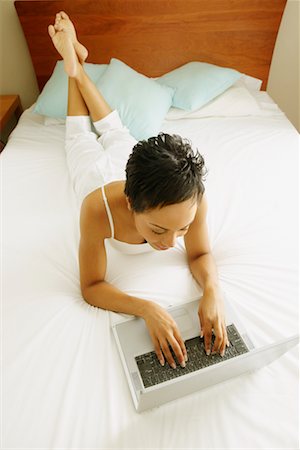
column 128, row 204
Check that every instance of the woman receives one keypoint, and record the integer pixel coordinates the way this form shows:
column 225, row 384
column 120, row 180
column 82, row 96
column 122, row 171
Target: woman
column 161, row 199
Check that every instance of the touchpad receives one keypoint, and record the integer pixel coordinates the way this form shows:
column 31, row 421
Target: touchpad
column 183, row 320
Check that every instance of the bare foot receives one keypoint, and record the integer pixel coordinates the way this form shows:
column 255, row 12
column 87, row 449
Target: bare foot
column 64, row 23
column 64, row 45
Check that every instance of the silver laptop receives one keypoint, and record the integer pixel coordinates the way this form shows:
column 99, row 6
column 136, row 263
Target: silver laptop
column 152, row 384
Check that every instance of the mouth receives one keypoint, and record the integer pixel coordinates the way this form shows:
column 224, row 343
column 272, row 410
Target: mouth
column 160, row 247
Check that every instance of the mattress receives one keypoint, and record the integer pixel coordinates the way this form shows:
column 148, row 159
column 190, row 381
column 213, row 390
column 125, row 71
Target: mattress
column 63, row 385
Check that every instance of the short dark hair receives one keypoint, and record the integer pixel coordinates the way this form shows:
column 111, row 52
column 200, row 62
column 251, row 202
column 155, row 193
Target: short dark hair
column 163, row 170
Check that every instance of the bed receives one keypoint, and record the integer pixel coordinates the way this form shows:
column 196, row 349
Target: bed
column 63, row 385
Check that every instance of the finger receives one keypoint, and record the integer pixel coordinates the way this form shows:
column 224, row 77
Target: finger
column 177, row 350
column 227, row 338
column 207, row 340
column 223, row 347
column 182, row 344
column 217, row 345
column 219, row 338
column 225, row 341
column 159, row 353
column 168, row 355
column 201, row 326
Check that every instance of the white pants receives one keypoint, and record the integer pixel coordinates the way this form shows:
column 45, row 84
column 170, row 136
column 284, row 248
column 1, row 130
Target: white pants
column 96, row 159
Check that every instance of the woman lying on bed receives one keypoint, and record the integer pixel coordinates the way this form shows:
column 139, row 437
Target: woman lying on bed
column 161, row 199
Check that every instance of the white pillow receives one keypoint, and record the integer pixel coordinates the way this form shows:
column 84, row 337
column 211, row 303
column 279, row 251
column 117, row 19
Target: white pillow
column 251, row 83
column 234, row 102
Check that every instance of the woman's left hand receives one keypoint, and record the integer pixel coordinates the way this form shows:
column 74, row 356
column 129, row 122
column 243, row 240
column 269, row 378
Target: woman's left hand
column 212, row 318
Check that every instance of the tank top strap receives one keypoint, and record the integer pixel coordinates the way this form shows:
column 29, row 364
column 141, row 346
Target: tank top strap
column 108, row 212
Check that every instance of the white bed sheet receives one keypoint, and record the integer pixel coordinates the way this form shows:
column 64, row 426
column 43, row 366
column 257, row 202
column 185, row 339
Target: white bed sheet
column 63, row 385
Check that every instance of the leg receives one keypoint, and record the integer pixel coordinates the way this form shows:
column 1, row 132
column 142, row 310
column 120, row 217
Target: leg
column 90, row 166
column 76, row 104
column 84, row 97
column 94, row 101
column 65, row 40
column 113, row 136
column 87, row 162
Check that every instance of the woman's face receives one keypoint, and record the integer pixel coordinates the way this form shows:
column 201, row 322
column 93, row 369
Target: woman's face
column 161, row 226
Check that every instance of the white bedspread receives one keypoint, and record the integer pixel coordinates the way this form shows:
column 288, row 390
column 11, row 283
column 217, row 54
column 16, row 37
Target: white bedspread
column 63, row 384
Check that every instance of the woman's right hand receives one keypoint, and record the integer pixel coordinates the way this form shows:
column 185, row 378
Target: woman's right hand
column 164, row 332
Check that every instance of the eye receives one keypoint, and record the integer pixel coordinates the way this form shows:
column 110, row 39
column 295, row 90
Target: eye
column 183, row 232
column 155, row 232
column 185, row 229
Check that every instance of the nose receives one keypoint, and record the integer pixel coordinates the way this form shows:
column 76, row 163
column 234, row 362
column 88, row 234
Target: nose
column 170, row 240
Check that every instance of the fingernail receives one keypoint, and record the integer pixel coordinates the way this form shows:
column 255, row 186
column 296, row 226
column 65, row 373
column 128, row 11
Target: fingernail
column 214, row 352
column 201, row 334
column 186, row 358
column 173, row 365
column 162, row 362
column 182, row 364
column 222, row 354
column 208, row 352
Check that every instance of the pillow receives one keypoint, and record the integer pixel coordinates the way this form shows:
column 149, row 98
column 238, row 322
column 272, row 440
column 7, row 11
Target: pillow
column 251, row 83
column 141, row 102
column 236, row 101
column 53, row 100
column 198, row 83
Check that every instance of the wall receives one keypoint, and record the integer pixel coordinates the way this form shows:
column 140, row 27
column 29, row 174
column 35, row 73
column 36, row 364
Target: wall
column 17, row 75
column 283, row 84
column 16, row 70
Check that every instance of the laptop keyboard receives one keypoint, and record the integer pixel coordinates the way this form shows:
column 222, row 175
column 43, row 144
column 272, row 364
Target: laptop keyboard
column 152, row 372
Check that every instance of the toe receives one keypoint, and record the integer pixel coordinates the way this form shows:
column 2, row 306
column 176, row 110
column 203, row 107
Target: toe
column 59, row 27
column 64, row 15
column 51, row 31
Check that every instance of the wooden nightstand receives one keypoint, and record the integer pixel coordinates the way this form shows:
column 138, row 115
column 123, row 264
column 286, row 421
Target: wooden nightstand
column 10, row 106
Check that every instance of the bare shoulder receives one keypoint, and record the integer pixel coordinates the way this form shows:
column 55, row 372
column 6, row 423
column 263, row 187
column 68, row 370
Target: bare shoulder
column 201, row 213
column 196, row 239
column 93, row 216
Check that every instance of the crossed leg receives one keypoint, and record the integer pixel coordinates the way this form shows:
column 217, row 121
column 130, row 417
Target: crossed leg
column 83, row 96
column 92, row 160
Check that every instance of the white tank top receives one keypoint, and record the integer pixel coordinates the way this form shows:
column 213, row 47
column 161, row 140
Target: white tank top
column 132, row 249
column 142, row 271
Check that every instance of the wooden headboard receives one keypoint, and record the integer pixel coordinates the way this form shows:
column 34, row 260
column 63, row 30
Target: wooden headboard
column 156, row 36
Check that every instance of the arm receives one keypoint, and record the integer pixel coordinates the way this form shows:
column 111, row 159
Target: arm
column 94, row 228
column 203, row 268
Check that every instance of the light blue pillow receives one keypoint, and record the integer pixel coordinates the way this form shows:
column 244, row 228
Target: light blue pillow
column 53, row 99
column 198, row 83
column 141, row 102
